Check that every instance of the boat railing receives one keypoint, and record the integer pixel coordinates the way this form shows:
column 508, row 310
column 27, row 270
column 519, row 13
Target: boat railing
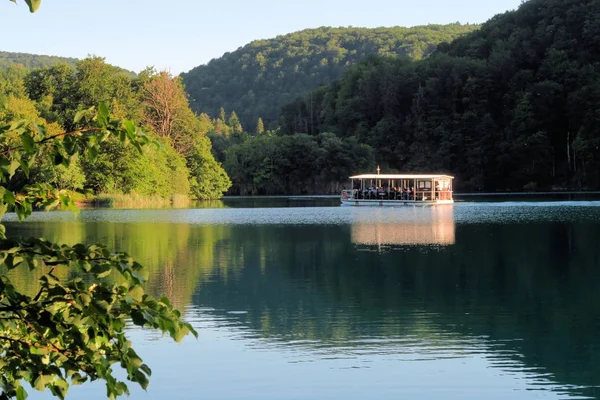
column 419, row 195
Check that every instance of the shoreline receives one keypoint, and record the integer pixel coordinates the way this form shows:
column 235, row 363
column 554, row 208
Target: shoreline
column 333, row 196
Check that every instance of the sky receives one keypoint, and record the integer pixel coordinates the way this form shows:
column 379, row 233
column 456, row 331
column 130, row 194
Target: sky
column 179, row 35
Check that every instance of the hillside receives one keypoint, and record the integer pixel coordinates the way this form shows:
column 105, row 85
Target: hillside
column 511, row 106
column 32, row 60
column 255, row 80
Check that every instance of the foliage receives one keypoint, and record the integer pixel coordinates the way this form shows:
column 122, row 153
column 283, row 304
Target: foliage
column 297, row 164
column 59, row 176
column 511, row 106
column 166, row 109
column 61, row 90
column 167, row 112
column 70, row 331
column 258, row 78
column 209, row 179
column 52, row 96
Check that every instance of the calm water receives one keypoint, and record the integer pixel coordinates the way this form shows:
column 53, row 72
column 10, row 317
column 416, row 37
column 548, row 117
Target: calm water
column 297, row 300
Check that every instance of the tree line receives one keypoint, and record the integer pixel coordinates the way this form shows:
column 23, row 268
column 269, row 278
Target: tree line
column 509, row 107
column 31, row 61
column 181, row 162
column 255, row 80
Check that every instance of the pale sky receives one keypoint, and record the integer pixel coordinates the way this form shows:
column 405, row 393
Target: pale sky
column 179, row 35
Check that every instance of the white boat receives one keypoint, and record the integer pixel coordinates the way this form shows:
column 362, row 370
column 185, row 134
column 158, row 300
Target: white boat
column 398, row 190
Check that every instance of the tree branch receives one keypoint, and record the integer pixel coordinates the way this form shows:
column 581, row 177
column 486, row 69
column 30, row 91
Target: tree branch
column 47, row 139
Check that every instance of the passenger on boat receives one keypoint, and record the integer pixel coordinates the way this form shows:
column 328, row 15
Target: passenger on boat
column 372, row 192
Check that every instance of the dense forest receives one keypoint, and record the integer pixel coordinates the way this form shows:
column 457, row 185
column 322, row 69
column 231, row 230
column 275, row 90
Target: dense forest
column 30, row 61
column 512, row 106
column 257, row 79
column 180, row 165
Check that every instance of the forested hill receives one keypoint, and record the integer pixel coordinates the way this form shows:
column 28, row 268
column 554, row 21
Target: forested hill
column 511, row 106
column 32, row 60
column 255, row 80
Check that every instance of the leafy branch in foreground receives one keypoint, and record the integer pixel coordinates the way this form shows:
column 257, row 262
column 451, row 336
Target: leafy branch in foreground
column 71, row 330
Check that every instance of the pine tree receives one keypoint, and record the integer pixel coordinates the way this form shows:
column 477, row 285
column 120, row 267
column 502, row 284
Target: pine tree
column 234, row 123
column 260, row 127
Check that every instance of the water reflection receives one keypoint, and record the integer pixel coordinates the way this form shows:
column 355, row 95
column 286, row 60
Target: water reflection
column 416, row 226
column 508, row 302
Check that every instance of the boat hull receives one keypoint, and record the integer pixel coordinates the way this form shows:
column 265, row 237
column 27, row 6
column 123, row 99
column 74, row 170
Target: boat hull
column 393, row 203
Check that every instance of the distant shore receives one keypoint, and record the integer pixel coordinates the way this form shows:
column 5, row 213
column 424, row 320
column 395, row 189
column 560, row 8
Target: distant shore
column 456, row 194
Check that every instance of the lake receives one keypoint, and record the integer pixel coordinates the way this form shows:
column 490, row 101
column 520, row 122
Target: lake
column 303, row 299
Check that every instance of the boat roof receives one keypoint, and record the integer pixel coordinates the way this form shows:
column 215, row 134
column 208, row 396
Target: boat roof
column 402, row 176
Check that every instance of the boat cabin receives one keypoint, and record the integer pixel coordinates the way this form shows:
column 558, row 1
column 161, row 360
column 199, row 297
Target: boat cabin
column 399, row 189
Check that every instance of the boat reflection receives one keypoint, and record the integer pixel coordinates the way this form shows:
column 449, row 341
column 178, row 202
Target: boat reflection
column 406, row 226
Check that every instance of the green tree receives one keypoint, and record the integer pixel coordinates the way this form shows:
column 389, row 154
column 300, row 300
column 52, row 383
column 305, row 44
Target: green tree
column 234, row 123
column 209, row 179
column 167, row 112
column 260, row 127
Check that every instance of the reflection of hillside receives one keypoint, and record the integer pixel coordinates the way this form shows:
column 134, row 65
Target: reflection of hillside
column 175, row 254
column 529, row 290
column 432, row 226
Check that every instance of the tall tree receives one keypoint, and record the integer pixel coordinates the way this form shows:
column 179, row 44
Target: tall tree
column 165, row 107
column 260, row 126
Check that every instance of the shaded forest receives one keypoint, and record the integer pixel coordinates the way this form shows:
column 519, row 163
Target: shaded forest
column 255, row 80
column 511, row 106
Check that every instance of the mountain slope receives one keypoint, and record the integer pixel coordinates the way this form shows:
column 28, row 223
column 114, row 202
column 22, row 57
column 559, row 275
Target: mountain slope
column 255, row 80
column 32, row 60
column 513, row 105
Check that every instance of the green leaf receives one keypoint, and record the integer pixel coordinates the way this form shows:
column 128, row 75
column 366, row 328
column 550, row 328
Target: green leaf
column 28, row 143
column 79, row 115
column 34, row 5
column 137, row 293
column 180, row 334
column 103, row 114
column 41, row 382
column 93, row 153
column 21, row 393
column 77, row 379
column 146, row 369
column 25, row 166
column 12, row 168
column 60, row 388
column 102, row 270
column 130, row 127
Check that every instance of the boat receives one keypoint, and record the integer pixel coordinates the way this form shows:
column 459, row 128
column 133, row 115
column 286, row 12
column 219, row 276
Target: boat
column 398, row 190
